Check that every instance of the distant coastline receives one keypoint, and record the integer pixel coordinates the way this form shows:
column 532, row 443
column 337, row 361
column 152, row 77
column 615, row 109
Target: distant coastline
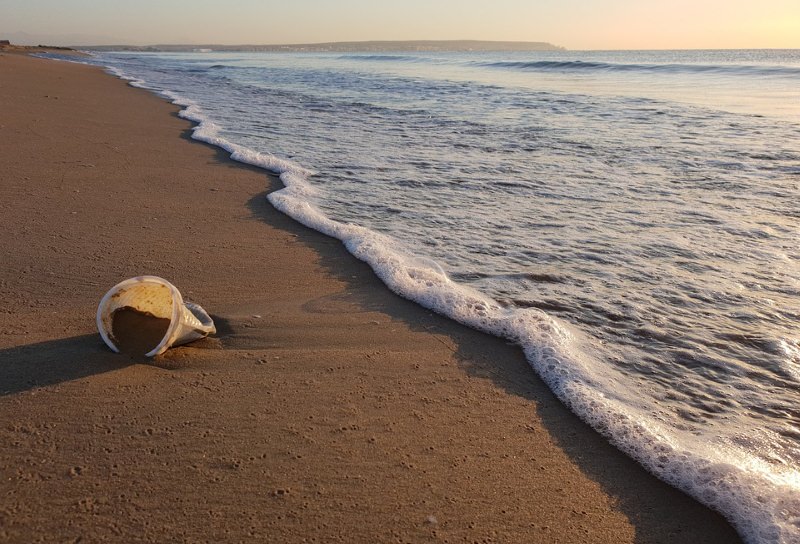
column 343, row 47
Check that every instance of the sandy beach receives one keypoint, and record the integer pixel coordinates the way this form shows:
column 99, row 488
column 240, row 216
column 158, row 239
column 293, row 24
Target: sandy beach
column 326, row 408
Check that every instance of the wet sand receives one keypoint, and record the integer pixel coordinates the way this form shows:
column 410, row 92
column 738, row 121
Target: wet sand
column 326, row 408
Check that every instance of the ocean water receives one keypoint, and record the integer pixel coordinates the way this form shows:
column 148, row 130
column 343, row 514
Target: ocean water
column 631, row 219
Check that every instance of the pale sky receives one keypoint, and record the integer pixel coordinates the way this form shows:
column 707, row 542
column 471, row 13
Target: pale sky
column 574, row 24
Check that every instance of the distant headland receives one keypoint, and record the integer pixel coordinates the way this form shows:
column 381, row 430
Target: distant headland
column 344, row 47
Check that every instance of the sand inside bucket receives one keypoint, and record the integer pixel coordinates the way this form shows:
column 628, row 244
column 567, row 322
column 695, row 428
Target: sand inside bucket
column 135, row 332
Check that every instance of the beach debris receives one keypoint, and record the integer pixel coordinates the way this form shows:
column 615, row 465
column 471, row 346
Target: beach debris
column 147, row 315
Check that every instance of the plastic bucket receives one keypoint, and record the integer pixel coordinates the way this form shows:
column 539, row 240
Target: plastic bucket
column 157, row 297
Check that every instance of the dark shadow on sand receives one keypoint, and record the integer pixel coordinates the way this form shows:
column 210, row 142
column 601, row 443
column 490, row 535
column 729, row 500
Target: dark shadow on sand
column 23, row 368
column 659, row 512
column 223, row 326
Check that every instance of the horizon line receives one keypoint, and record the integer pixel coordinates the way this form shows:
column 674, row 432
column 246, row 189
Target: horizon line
column 432, row 41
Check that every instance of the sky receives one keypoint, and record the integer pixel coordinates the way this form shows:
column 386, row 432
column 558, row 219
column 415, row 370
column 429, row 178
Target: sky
column 574, row 24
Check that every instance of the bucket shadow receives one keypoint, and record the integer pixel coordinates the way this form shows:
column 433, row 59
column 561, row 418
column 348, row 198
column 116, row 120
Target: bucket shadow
column 659, row 512
column 223, row 326
column 23, row 368
column 27, row 367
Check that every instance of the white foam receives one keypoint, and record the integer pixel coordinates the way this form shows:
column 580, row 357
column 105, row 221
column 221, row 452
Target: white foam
column 761, row 500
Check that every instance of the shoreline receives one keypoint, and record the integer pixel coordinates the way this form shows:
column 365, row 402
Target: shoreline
column 473, row 442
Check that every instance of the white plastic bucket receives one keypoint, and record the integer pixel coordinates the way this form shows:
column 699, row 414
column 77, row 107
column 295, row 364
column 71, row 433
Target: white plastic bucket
column 159, row 298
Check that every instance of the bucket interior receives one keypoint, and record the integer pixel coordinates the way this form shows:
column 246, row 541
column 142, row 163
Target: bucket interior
column 138, row 317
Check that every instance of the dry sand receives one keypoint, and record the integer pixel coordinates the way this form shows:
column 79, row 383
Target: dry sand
column 325, row 410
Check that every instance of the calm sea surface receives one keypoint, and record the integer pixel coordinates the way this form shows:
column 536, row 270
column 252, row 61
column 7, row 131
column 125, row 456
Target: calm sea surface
column 631, row 219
